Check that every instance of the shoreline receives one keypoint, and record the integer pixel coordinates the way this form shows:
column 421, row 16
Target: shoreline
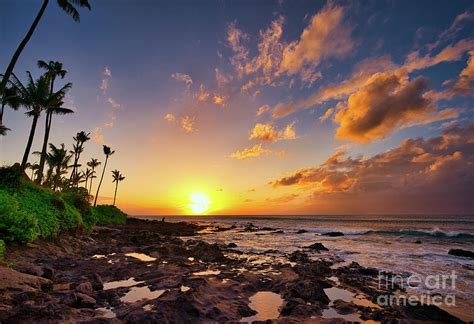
column 105, row 276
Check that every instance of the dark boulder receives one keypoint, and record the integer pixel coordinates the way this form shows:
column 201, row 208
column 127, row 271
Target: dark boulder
column 317, row 247
column 333, row 234
column 461, row 253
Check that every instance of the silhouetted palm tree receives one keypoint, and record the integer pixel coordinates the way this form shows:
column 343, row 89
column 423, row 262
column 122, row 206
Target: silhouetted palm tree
column 58, row 160
column 69, row 6
column 93, row 163
column 108, row 152
column 53, row 69
column 10, row 99
column 78, row 148
column 35, row 97
column 117, row 177
column 3, row 130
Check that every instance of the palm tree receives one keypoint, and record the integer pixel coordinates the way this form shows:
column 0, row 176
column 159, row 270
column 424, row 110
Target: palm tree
column 53, row 69
column 9, row 98
column 108, row 152
column 93, row 163
column 34, row 97
column 58, row 160
column 117, row 176
column 78, row 148
column 87, row 175
column 69, row 6
column 3, row 130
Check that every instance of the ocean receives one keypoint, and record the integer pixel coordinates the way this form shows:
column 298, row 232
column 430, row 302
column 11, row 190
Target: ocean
column 388, row 243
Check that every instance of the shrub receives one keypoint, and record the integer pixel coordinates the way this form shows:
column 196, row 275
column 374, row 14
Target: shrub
column 15, row 224
column 2, row 250
column 108, row 214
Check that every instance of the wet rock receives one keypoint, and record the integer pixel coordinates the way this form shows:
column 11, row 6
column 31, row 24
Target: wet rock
column 48, row 273
column 333, row 234
column 231, row 245
column 308, row 290
column 461, row 253
column 206, row 252
column 278, row 232
column 14, row 280
column 418, row 242
column 97, row 282
column 314, row 269
column 301, row 231
column 317, row 247
column 78, row 300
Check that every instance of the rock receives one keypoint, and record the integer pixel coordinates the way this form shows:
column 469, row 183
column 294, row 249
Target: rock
column 97, row 282
column 344, row 307
column 85, row 288
column 308, row 290
column 14, row 280
column 317, row 247
column 314, row 269
column 333, row 234
column 299, row 256
column 48, row 273
column 62, row 286
column 461, row 253
column 278, row 232
column 301, row 231
column 418, row 242
column 78, row 300
column 231, row 245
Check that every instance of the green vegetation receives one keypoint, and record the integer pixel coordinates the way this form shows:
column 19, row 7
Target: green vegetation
column 2, row 249
column 29, row 211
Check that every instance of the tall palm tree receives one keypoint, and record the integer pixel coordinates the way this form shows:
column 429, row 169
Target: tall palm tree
column 34, row 96
column 108, row 152
column 117, row 177
column 53, row 69
column 58, row 160
column 78, row 148
column 93, row 163
column 69, row 6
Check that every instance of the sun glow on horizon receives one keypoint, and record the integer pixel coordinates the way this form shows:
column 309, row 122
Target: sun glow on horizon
column 199, row 203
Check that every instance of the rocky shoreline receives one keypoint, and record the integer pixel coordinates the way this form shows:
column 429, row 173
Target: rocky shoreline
column 152, row 271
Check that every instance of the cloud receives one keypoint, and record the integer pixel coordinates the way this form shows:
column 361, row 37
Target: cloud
column 113, row 103
column 465, row 83
column 325, row 37
column 219, row 99
column 262, row 109
column 255, row 151
column 455, row 27
column 187, row 124
column 387, row 102
column 104, row 85
column 184, row 78
column 203, row 94
column 268, row 133
column 221, row 78
column 170, row 118
column 438, row 170
column 97, row 136
column 327, row 114
column 235, row 39
column 283, row 199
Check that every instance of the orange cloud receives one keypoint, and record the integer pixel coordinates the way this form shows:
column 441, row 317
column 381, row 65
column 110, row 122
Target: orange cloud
column 327, row 114
column 187, row 124
column 268, row 133
column 251, row 152
column 465, row 83
column 262, row 109
column 184, row 78
column 170, row 118
column 325, row 37
column 387, row 102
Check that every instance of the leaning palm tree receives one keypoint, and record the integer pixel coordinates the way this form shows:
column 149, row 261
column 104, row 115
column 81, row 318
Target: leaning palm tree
column 117, row 177
column 108, row 152
column 53, row 69
column 93, row 163
column 35, row 97
column 87, row 175
column 78, row 148
column 69, row 6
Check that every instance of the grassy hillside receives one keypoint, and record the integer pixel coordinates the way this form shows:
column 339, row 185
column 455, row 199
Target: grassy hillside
column 29, row 211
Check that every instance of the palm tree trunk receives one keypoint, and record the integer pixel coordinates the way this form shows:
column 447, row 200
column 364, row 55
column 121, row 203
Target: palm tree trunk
column 115, row 194
column 30, row 142
column 1, row 113
column 90, row 184
column 20, row 48
column 47, row 128
column 101, row 178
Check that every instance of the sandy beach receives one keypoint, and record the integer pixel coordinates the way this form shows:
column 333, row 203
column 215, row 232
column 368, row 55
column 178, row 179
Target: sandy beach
column 153, row 271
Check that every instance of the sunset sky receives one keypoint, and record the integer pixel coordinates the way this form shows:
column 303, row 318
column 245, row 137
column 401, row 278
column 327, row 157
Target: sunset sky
column 263, row 107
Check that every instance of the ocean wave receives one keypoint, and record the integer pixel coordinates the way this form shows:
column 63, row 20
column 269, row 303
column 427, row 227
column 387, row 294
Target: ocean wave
column 436, row 232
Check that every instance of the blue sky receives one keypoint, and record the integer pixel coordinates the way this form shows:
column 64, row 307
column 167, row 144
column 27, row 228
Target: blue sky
column 145, row 51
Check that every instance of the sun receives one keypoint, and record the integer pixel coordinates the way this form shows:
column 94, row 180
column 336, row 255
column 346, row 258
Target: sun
column 199, row 202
